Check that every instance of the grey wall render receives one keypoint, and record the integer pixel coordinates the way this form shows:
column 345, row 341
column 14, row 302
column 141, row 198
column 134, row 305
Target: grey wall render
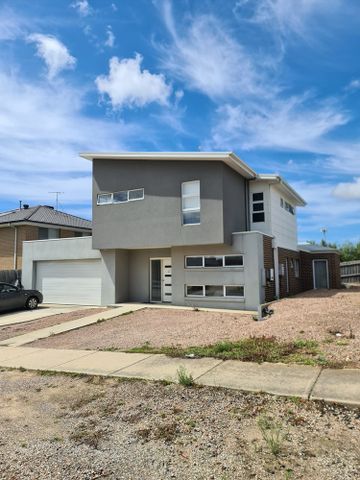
column 155, row 222
column 234, row 203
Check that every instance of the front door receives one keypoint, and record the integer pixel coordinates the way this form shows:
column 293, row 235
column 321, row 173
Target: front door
column 161, row 280
column 320, row 270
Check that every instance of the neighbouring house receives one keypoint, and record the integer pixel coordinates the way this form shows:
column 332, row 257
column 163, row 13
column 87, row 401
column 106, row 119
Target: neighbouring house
column 196, row 229
column 34, row 223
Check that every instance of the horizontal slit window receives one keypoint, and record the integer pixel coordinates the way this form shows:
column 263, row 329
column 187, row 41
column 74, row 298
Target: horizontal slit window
column 121, row 197
column 195, row 290
column 194, row 261
column 214, row 291
column 213, row 261
column 234, row 291
column 137, row 194
column 104, row 198
column 234, row 260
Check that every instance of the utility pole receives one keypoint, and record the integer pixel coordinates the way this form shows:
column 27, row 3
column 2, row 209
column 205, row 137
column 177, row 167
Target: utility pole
column 57, row 198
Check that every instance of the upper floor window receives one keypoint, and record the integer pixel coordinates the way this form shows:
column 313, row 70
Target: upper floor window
column 288, row 207
column 46, row 233
column 123, row 196
column 190, row 202
column 258, row 207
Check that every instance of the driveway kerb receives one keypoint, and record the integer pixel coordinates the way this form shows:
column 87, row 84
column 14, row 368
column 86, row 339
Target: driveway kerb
column 338, row 386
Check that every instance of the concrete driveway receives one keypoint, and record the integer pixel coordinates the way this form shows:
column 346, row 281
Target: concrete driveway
column 21, row 316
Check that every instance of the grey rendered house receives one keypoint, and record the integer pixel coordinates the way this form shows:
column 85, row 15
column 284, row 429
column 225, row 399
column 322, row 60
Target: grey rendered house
column 193, row 228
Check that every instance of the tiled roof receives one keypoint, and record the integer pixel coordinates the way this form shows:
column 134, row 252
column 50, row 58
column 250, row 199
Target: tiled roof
column 44, row 214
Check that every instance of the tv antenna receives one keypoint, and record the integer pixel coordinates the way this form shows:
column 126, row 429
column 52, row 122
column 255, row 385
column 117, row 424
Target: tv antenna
column 324, row 230
column 57, row 198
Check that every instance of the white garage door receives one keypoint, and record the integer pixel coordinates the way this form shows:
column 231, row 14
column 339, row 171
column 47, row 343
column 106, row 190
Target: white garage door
column 70, row 281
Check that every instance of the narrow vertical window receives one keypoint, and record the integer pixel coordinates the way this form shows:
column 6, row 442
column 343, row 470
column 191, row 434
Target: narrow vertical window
column 190, row 202
column 258, row 207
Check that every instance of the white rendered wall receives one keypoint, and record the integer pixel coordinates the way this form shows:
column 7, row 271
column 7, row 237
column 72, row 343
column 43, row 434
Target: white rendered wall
column 283, row 223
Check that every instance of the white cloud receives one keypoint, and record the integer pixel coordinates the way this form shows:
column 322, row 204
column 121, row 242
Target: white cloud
column 114, row 7
column 324, row 209
column 282, row 17
column 354, row 84
column 83, row 7
column 128, row 85
column 110, row 37
column 348, row 190
column 283, row 124
column 54, row 53
column 207, row 57
column 42, row 131
column 12, row 25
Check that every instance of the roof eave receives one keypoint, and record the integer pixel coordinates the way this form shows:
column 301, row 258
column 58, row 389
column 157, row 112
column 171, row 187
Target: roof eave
column 232, row 160
column 300, row 202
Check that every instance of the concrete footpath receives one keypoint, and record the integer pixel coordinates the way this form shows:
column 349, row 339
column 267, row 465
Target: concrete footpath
column 70, row 325
column 339, row 386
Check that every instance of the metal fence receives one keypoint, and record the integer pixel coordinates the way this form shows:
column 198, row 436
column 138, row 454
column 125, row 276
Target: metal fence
column 350, row 271
column 10, row 276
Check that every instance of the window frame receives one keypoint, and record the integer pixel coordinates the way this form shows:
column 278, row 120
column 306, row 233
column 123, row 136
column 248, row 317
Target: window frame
column 223, row 296
column 257, row 202
column 103, row 194
column 128, row 199
column 190, row 210
column 209, row 256
column 297, row 268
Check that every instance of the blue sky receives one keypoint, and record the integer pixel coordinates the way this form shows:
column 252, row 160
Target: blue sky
column 276, row 81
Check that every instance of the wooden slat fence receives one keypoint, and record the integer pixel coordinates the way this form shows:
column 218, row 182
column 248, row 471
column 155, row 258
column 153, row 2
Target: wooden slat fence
column 350, row 271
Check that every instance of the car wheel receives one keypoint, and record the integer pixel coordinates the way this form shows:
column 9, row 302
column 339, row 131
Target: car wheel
column 32, row 303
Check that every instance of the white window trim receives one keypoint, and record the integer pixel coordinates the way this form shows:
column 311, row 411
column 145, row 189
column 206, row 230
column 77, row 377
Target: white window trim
column 100, row 195
column 189, row 210
column 224, row 296
column 210, row 256
column 192, row 295
column 113, row 202
column 234, row 296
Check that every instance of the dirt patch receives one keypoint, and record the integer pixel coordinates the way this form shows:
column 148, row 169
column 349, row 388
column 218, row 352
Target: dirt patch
column 10, row 331
column 315, row 315
column 61, row 427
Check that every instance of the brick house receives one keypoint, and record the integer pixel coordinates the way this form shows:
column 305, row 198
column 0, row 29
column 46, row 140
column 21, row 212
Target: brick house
column 35, row 223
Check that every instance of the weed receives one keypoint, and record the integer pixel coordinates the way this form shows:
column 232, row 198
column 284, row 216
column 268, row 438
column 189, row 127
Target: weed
column 88, row 435
column 288, row 474
column 166, row 431
column 127, row 313
column 22, row 369
column 272, row 433
column 308, row 344
column 185, row 378
column 56, row 439
column 101, row 320
column 342, row 343
column 351, row 333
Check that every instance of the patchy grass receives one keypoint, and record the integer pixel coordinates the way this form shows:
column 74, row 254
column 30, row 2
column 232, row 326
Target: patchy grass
column 253, row 349
column 185, row 379
column 272, row 432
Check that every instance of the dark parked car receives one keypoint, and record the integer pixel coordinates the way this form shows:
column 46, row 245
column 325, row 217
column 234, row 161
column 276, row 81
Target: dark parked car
column 12, row 298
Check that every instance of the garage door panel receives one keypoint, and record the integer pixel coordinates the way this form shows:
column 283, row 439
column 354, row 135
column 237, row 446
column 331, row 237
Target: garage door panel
column 77, row 282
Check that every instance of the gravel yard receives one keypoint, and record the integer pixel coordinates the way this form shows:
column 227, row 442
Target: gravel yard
column 313, row 315
column 92, row 428
column 10, row 331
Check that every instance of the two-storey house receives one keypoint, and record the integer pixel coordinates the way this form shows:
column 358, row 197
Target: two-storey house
column 196, row 229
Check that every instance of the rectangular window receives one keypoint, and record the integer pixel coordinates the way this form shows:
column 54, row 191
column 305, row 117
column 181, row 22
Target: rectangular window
column 137, row 194
column 234, row 291
column 297, row 268
column 190, row 202
column 214, row 261
column 258, row 207
column 43, row 233
column 217, row 291
column 194, row 290
column 104, row 198
column 120, row 197
column 194, row 261
column 234, row 261
column 289, row 208
column 214, row 291
column 258, row 197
